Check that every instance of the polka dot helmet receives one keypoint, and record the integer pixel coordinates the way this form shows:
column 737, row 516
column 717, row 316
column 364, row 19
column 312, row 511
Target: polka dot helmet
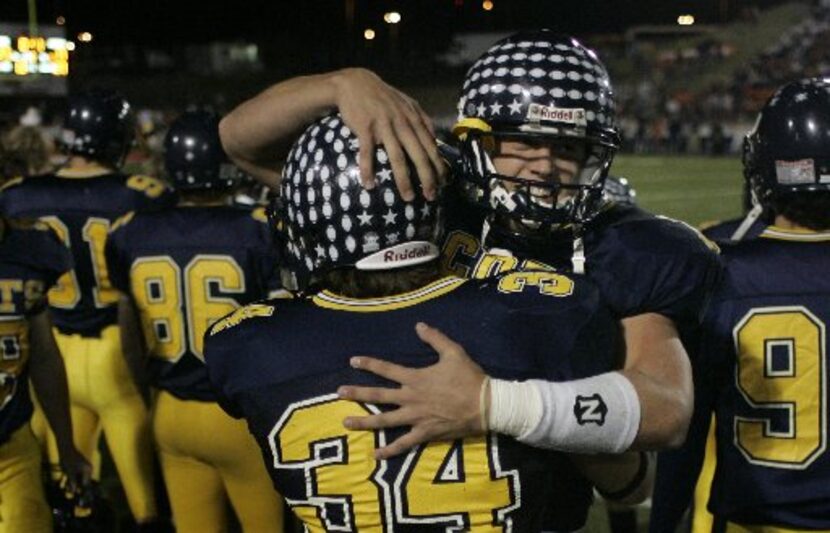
column 535, row 85
column 325, row 219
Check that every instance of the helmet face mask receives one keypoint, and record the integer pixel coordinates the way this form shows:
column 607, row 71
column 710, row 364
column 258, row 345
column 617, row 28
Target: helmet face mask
column 539, row 89
column 501, row 181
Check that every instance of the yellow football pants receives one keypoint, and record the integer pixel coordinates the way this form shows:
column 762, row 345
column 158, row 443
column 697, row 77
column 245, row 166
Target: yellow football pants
column 102, row 395
column 206, row 455
column 23, row 504
column 702, row 520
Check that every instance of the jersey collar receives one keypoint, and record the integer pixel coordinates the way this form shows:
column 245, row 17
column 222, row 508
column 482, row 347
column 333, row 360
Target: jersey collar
column 92, row 171
column 330, row 300
column 800, row 235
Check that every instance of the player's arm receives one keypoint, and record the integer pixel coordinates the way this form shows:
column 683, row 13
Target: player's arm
column 622, row 479
column 658, row 367
column 258, row 133
column 602, row 414
column 49, row 381
column 132, row 343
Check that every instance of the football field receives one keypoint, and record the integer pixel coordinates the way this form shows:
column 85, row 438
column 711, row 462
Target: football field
column 694, row 189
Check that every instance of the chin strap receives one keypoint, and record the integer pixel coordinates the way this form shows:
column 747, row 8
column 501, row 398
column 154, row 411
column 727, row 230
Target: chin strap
column 750, row 219
column 578, row 257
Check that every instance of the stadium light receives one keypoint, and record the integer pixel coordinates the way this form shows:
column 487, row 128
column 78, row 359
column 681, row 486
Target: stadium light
column 369, row 34
column 70, row 45
column 392, row 17
column 60, row 21
column 85, row 37
column 686, row 20
column 487, row 5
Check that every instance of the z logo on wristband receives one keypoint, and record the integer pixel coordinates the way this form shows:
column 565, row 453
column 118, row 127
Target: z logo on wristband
column 590, row 410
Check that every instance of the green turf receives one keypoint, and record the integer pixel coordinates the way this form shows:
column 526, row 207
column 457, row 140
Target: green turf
column 694, row 189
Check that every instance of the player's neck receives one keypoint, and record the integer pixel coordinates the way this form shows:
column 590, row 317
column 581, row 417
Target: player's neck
column 785, row 223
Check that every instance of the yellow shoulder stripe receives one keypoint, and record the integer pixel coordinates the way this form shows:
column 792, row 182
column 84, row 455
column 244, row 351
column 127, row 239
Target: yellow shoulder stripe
column 329, row 300
column 123, row 220
column 240, row 315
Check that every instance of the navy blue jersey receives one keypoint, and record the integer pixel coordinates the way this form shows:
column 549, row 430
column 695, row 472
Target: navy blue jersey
column 722, row 231
column 763, row 372
column 81, row 211
column 642, row 263
column 185, row 268
column 31, row 260
column 278, row 365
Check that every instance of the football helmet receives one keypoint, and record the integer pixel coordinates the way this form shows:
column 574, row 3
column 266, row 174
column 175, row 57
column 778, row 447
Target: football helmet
column 532, row 87
column 788, row 150
column 99, row 124
column 325, row 219
column 193, row 153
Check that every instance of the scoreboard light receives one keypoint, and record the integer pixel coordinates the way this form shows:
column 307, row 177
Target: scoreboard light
column 27, row 55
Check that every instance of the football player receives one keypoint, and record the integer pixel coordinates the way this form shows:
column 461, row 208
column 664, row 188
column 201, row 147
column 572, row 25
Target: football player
column 31, row 261
column 367, row 263
column 205, row 259
column 763, row 353
column 80, row 202
column 537, row 121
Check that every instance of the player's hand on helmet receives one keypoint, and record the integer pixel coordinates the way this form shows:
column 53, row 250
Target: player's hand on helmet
column 379, row 114
column 439, row 402
column 76, row 469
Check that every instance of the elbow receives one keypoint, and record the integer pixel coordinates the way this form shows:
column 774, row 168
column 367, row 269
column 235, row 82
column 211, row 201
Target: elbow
column 226, row 138
column 676, row 423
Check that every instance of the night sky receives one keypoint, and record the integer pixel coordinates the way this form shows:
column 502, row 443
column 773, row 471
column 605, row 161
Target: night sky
column 313, row 21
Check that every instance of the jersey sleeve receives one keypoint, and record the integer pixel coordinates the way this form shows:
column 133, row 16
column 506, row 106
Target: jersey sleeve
column 663, row 266
column 53, row 259
column 117, row 255
column 219, row 355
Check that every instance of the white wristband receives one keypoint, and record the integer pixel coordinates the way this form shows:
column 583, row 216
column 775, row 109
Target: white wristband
column 515, row 407
column 600, row 414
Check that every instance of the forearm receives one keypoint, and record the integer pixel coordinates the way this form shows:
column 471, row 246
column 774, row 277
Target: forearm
column 257, row 134
column 666, row 408
column 48, row 377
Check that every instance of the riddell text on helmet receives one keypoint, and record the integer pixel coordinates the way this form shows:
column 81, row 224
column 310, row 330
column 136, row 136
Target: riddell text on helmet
column 403, row 255
column 541, row 113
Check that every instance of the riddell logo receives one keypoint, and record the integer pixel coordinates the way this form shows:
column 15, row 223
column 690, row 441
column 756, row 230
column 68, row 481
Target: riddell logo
column 539, row 113
column 422, row 250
